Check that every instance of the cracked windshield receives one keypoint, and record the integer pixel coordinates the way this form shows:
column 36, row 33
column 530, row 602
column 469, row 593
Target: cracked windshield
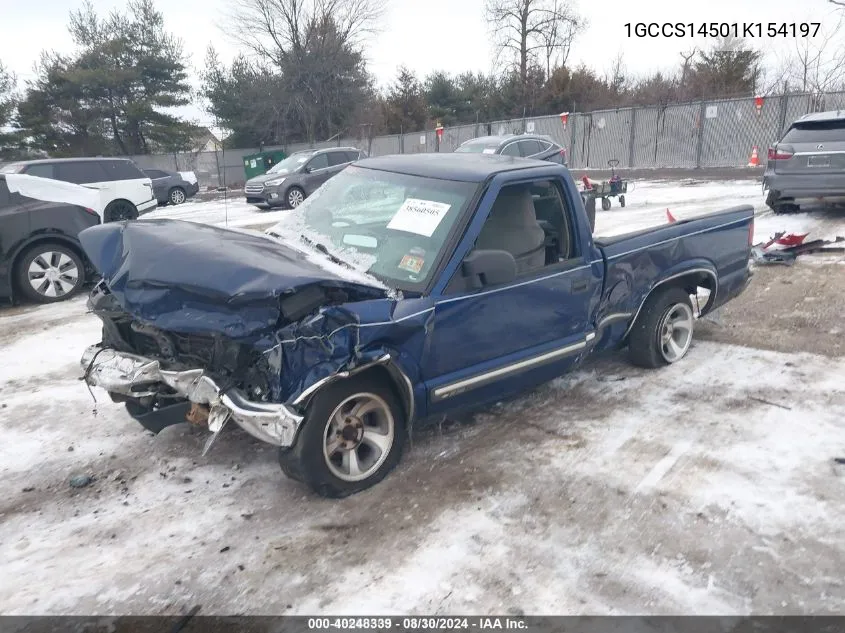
column 392, row 226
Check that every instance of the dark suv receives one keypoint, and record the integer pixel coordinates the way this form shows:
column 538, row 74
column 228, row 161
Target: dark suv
column 808, row 163
column 40, row 254
column 299, row 175
column 536, row 146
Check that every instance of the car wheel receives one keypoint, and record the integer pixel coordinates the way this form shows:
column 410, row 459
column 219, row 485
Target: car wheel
column 294, row 197
column 352, row 436
column 119, row 210
column 48, row 273
column 176, row 195
column 663, row 331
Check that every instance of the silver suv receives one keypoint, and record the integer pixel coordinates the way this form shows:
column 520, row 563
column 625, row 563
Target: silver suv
column 290, row 181
column 808, row 163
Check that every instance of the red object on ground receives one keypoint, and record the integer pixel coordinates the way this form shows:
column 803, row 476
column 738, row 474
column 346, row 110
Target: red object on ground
column 670, row 217
column 791, row 239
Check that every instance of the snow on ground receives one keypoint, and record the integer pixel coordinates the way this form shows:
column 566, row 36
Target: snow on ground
column 705, row 487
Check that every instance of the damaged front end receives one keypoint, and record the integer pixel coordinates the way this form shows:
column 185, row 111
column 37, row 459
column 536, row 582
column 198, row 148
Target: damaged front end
column 211, row 352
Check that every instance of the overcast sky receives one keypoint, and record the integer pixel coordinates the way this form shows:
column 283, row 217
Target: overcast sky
column 428, row 34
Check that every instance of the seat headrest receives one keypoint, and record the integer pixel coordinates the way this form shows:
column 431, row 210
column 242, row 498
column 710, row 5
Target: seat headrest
column 514, row 206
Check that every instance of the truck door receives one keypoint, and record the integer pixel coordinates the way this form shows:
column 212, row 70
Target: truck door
column 490, row 341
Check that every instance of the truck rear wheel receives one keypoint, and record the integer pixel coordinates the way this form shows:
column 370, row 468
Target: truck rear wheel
column 663, row 331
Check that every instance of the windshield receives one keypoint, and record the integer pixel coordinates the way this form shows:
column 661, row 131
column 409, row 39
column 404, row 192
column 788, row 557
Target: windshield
column 289, row 164
column 477, row 148
column 392, row 226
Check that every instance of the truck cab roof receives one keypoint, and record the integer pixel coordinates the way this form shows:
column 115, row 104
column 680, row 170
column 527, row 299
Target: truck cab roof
column 453, row 166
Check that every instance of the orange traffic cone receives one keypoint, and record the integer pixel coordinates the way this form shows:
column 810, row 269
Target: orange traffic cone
column 670, row 217
column 755, row 159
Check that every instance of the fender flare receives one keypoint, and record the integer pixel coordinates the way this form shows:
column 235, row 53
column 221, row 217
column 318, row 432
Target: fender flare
column 697, row 269
column 399, row 378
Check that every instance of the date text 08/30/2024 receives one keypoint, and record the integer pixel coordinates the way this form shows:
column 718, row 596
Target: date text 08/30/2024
column 417, row 624
column 722, row 29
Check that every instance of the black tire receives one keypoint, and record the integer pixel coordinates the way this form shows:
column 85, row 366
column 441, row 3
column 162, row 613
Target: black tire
column 605, row 204
column 49, row 254
column 644, row 340
column 294, row 196
column 176, row 196
column 306, row 460
column 119, row 210
column 622, row 201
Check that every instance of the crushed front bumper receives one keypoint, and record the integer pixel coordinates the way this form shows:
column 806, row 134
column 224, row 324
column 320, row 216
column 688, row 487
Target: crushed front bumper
column 137, row 376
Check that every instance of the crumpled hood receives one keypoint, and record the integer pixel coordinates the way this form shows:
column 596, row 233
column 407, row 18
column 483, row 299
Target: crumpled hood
column 190, row 277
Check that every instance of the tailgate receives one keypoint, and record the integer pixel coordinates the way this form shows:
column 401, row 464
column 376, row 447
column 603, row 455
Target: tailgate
column 812, row 147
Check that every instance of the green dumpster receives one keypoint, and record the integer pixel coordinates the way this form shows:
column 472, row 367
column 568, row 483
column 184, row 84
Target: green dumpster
column 257, row 164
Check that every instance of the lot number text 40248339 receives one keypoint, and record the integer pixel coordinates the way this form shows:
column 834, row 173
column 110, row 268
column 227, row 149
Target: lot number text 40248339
column 722, row 29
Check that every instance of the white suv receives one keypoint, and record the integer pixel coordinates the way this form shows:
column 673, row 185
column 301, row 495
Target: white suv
column 125, row 190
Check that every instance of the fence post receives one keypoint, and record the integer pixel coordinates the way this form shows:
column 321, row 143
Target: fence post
column 702, row 111
column 574, row 118
column 633, row 134
column 784, row 98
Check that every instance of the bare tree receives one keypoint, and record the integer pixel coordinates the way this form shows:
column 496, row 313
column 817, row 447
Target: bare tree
column 523, row 28
column 316, row 45
column 818, row 64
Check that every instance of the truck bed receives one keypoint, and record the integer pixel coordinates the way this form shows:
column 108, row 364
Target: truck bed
column 711, row 250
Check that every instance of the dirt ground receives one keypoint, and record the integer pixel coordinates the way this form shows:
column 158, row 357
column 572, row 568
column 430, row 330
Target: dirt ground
column 788, row 309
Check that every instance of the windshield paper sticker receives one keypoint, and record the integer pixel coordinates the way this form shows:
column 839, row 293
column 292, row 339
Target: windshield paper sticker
column 419, row 216
column 489, row 150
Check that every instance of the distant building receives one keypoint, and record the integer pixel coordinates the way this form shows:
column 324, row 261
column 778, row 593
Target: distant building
column 206, row 141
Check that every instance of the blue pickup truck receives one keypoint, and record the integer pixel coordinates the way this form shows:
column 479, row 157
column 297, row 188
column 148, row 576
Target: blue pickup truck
column 406, row 288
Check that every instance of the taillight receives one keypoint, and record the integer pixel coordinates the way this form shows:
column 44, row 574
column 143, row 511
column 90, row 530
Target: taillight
column 776, row 154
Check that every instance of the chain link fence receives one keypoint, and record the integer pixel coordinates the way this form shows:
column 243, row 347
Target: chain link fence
column 719, row 133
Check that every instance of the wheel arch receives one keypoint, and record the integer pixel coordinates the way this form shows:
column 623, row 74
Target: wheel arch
column 385, row 364
column 688, row 279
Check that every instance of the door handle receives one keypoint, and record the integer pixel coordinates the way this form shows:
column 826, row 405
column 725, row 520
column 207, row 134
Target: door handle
column 579, row 286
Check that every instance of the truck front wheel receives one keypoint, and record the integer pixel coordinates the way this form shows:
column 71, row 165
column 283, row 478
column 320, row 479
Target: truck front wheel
column 663, row 331
column 352, row 436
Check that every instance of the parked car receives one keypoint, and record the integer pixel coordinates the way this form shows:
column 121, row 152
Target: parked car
column 537, row 146
column 126, row 190
column 808, row 163
column 40, row 254
column 459, row 281
column 173, row 187
column 293, row 179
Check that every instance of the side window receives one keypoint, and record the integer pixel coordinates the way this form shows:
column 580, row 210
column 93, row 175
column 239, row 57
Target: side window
column 79, row 172
column 529, row 148
column 122, row 170
column 155, row 173
column 320, row 161
column 40, row 171
column 511, row 150
column 531, row 222
column 352, row 156
column 338, row 158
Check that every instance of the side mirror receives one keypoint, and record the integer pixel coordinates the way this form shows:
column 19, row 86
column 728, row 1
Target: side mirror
column 307, row 169
column 489, row 268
